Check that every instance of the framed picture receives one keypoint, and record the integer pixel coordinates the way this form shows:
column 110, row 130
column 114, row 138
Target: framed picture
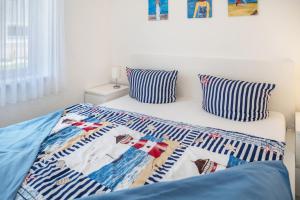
column 242, row 7
column 158, row 10
column 199, row 8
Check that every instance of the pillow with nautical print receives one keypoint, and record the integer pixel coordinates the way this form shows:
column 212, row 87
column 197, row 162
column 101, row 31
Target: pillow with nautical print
column 152, row 86
column 235, row 99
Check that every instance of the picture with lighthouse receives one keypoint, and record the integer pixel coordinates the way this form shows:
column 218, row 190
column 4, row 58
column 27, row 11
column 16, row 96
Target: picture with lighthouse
column 158, row 10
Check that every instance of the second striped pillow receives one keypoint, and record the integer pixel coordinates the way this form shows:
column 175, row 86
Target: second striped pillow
column 234, row 99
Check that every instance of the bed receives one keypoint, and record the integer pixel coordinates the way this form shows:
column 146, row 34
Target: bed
column 282, row 73
column 189, row 111
column 126, row 144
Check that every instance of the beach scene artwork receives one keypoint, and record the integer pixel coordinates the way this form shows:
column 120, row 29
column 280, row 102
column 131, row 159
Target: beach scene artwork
column 158, row 10
column 199, row 8
column 242, row 7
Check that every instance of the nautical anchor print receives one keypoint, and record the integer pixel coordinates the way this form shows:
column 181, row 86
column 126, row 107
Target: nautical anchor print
column 199, row 140
column 214, row 136
column 144, row 118
column 267, row 149
column 61, row 164
column 29, row 178
column 151, row 128
column 63, row 181
column 166, row 137
column 230, row 147
column 129, row 123
column 204, row 81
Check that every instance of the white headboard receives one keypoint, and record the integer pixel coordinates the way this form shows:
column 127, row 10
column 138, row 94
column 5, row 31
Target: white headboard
column 280, row 72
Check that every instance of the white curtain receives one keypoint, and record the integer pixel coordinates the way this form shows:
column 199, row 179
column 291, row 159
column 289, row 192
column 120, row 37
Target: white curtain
column 31, row 49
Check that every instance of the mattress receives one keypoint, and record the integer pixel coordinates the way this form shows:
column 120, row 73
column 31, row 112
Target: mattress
column 190, row 111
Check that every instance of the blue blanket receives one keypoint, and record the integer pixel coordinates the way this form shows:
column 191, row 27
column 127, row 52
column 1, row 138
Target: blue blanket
column 19, row 146
column 96, row 150
column 259, row 180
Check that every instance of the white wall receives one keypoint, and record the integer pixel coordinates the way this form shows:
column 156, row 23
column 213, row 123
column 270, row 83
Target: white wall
column 104, row 33
column 87, row 59
column 274, row 33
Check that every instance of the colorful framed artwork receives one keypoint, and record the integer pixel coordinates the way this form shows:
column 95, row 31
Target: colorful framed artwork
column 158, row 10
column 199, row 8
column 242, row 7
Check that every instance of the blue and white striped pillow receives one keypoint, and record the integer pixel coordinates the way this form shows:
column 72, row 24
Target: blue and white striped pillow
column 234, row 99
column 152, row 86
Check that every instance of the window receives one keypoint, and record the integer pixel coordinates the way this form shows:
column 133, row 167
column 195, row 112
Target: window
column 16, row 54
column 31, row 48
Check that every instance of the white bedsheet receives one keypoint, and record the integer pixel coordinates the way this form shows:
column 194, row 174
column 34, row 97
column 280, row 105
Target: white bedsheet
column 190, row 111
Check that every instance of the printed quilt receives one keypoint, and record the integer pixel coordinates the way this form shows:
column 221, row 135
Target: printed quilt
column 94, row 150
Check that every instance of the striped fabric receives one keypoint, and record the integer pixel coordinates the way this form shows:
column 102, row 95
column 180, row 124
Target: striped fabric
column 53, row 178
column 234, row 99
column 152, row 86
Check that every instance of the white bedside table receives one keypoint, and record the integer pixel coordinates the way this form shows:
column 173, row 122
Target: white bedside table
column 104, row 93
